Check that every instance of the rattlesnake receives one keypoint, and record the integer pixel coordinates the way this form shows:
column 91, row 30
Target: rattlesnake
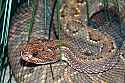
column 85, row 50
column 81, row 54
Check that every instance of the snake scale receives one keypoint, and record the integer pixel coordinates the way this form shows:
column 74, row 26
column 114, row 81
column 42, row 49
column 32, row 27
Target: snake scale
column 89, row 55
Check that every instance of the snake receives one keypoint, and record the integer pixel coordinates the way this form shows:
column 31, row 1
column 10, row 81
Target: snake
column 83, row 48
column 40, row 51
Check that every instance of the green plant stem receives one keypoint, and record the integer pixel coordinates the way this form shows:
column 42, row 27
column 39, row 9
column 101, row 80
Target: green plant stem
column 2, row 9
column 87, row 10
column 0, row 4
column 33, row 18
column 51, row 20
column 58, row 21
column 4, row 39
column 4, row 22
column 45, row 12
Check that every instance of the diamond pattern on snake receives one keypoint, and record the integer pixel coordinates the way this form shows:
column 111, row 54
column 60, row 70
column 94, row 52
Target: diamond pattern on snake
column 89, row 53
column 82, row 55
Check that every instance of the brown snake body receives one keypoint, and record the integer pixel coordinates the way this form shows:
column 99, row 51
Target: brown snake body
column 86, row 50
column 81, row 54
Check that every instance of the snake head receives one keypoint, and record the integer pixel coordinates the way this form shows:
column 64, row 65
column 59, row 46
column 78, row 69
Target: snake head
column 40, row 51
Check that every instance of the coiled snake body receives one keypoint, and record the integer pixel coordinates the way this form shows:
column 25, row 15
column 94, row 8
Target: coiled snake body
column 81, row 53
column 85, row 49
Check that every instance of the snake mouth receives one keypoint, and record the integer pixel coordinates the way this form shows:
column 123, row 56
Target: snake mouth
column 27, row 64
column 39, row 61
column 31, row 64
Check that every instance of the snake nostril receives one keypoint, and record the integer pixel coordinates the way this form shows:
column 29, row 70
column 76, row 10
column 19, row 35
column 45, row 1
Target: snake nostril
column 34, row 54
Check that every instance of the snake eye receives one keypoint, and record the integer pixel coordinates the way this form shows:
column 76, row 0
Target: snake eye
column 35, row 53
